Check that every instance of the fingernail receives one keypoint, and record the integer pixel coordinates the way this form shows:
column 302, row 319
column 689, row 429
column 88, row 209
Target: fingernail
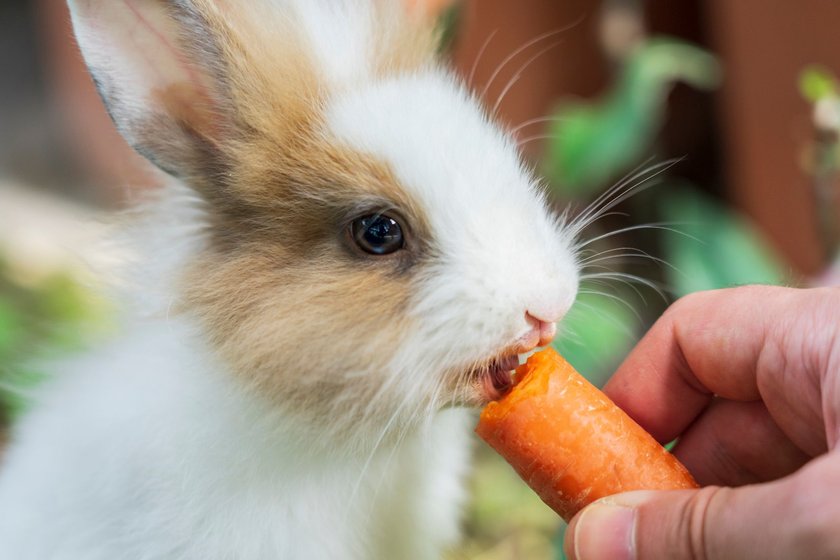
column 603, row 531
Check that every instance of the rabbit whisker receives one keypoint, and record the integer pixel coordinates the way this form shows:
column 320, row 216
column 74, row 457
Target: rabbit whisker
column 661, row 226
column 614, row 298
column 478, row 56
column 633, row 184
column 537, row 120
column 515, row 78
column 522, row 48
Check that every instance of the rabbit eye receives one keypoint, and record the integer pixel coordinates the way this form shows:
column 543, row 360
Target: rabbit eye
column 377, row 234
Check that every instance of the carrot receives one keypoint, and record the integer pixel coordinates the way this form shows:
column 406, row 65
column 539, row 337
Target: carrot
column 570, row 443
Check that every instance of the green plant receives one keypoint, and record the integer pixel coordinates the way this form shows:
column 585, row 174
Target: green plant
column 39, row 320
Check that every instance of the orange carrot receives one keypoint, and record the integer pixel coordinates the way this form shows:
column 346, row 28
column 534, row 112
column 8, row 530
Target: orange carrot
column 570, row 443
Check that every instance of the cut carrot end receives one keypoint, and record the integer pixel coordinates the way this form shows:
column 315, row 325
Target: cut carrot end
column 570, row 443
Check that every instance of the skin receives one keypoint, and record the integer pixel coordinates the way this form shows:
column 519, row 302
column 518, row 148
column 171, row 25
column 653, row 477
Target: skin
column 748, row 379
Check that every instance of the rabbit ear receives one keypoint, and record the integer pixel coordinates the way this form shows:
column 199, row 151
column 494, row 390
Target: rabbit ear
column 150, row 60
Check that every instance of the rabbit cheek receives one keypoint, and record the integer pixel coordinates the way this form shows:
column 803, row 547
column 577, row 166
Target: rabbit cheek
column 315, row 338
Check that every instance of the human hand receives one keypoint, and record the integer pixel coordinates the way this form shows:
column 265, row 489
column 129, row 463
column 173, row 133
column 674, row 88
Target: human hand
column 748, row 379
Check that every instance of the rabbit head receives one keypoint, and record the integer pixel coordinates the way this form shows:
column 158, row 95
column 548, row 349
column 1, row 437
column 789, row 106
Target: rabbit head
column 373, row 248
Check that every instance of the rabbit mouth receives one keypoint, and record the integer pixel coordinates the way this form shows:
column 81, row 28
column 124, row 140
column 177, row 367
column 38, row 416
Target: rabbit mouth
column 496, row 378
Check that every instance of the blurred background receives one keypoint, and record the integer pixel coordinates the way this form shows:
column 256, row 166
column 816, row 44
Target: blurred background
column 704, row 132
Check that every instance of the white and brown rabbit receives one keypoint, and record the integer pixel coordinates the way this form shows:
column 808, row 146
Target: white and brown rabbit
column 350, row 255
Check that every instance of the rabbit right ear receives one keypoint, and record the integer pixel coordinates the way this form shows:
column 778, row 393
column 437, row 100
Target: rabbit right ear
column 156, row 65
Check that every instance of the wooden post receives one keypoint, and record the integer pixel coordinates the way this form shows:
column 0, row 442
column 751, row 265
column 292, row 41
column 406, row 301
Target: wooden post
column 764, row 45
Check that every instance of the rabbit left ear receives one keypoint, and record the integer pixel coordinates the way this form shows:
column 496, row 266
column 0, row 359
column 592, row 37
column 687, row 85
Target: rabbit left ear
column 149, row 61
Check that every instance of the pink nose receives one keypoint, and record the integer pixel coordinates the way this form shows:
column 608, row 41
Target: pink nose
column 542, row 331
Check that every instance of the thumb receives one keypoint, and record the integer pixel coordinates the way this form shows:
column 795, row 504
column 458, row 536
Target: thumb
column 794, row 517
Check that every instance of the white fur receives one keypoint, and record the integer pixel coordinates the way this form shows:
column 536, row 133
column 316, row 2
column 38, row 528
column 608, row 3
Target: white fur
column 149, row 449
column 339, row 35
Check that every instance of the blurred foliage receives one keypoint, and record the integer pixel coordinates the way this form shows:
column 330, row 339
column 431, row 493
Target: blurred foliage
column 716, row 247
column 448, row 25
column 505, row 518
column 597, row 330
column 40, row 320
column 696, row 242
column 594, row 142
column 817, row 83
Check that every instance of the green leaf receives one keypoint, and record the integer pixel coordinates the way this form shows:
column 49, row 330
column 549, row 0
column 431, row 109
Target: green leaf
column 719, row 248
column 9, row 329
column 816, row 83
column 38, row 322
column 591, row 143
column 596, row 334
column 449, row 23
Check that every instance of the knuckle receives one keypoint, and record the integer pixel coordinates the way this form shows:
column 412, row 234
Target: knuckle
column 684, row 531
column 689, row 301
column 696, row 521
column 708, row 298
column 686, row 306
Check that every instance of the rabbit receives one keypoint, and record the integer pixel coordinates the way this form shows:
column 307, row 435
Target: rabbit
column 349, row 257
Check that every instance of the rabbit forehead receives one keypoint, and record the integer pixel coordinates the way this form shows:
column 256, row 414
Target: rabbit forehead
column 430, row 131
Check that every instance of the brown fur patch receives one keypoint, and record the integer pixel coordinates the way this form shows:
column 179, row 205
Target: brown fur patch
column 286, row 301
column 296, row 328
column 291, row 307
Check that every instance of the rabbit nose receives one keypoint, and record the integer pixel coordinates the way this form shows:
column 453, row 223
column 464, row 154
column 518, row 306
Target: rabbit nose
column 543, row 329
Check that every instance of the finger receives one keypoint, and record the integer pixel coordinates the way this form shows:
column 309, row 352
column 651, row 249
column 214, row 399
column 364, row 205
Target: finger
column 733, row 443
column 740, row 344
column 795, row 517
